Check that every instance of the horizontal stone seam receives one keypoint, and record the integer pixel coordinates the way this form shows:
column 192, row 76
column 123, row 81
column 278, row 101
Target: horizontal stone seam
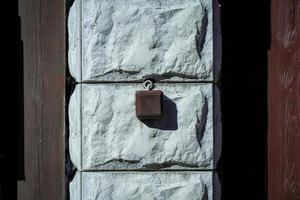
column 143, row 170
column 141, row 81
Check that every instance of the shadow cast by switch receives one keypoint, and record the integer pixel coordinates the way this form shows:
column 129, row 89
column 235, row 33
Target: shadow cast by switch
column 168, row 121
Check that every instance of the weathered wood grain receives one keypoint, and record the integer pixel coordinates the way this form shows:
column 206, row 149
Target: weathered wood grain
column 43, row 34
column 284, row 102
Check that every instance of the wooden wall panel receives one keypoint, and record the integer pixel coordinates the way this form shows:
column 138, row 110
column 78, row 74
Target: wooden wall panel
column 43, row 34
column 284, row 102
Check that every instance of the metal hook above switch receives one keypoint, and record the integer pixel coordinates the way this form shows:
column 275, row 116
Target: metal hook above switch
column 149, row 103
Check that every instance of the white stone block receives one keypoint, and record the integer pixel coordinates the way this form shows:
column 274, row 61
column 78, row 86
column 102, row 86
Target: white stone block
column 143, row 185
column 74, row 111
column 135, row 39
column 113, row 138
column 74, row 38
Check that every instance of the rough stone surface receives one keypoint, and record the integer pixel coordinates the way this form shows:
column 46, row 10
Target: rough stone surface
column 131, row 40
column 74, row 111
column 136, row 39
column 146, row 186
column 113, row 138
column 74, row 33
column 75, row 187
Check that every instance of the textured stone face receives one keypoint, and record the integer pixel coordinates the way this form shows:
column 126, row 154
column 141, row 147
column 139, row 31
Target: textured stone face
column 122, row 42
column 74, row 33
column 146, row 186
column 74, row 111
column 113, row 138
column 136, row 39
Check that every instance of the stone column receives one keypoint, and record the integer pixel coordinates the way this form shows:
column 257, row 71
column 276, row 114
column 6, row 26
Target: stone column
column 114, row 45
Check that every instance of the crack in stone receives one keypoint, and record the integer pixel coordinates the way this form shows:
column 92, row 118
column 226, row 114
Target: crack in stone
column 168, row 75
column 120, row 71
column 201, row 123
column 166, row 193
column 168, row 164
column 205, row 192
column 120, row 160
column 155, row 77
column 168, row 14
column 200, row 36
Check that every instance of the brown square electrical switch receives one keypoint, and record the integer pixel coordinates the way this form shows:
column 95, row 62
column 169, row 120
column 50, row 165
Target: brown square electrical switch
column 148, row 104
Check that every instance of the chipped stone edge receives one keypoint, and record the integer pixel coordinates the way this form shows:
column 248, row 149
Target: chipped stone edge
column 75, row 129
column 75, row 187
column 74, row 34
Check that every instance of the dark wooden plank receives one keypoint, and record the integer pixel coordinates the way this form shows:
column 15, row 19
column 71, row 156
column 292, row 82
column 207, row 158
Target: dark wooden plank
column 284, row 102
column 43, row 35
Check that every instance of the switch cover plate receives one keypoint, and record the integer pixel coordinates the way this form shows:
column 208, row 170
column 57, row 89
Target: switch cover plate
column 149, row 104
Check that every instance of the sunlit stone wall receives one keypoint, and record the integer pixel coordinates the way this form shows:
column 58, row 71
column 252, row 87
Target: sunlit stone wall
column 114, row 45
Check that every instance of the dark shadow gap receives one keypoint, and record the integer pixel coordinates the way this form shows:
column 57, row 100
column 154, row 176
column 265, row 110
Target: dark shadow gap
column 246, row 39
column 11, row 136
column 70, row 169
